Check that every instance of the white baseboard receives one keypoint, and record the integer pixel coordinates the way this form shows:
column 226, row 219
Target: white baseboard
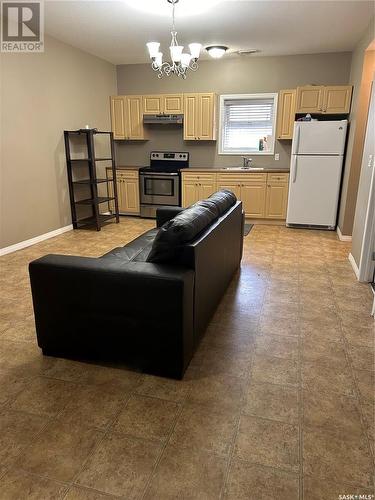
column 354, row 265
column 37, row 239
column 341, row 236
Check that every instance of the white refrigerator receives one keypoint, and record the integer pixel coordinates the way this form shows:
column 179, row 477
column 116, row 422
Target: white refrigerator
column 315, row 173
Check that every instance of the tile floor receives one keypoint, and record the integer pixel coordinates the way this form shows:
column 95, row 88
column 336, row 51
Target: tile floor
column 276, row 404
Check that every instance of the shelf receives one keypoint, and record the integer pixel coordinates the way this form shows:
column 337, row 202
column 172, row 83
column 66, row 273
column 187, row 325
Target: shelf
column 91, row 221
column 89, row 181
column 94, row 201
column 76, row 160
column 85, row 131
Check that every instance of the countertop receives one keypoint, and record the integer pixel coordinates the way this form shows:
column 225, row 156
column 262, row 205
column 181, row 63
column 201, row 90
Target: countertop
column 223, row 169
column 217, row 169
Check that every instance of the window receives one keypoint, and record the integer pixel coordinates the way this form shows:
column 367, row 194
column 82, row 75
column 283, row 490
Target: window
column 247, row 124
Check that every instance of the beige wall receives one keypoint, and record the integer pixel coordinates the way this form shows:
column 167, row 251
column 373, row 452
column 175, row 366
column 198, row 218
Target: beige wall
column 231, row 75
column 41, row 95
column 353, row 168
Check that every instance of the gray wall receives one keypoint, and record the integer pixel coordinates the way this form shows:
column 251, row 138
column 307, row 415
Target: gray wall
column 352, row 170
column 232, row 75
column 41, row 95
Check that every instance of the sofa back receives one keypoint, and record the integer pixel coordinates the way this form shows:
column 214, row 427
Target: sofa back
column 215, row 255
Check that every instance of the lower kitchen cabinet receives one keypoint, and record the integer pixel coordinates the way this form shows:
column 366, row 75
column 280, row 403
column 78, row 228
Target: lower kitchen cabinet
column 263, row 195
column 276, row 199
column 196, row 187
column 128, row 191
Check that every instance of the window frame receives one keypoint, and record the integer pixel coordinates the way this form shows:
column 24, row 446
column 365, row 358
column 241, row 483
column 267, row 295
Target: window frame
column 223, row 98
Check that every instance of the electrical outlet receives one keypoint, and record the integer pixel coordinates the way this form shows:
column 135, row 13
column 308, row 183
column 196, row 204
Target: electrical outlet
column 277, row 157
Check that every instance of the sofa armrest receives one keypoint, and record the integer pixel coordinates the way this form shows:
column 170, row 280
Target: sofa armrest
column 164, row 214
column 93, row 305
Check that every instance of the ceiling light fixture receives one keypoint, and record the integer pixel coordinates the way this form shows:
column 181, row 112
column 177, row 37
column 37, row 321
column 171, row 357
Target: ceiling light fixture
column 216, row 51
column 181, row 61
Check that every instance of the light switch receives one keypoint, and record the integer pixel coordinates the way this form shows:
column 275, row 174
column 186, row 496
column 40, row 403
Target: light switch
column 277, row 157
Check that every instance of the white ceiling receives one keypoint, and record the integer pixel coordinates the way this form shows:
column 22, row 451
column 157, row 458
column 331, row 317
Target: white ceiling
column 118, row 30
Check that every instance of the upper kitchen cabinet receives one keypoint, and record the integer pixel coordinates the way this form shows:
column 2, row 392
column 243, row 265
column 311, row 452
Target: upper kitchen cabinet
column 118, row 116
column 200, row 117
column 127, row 117
column 337, row 99
column 163, row 104
column 286, row 113
column 310, row 99
column 333, row 99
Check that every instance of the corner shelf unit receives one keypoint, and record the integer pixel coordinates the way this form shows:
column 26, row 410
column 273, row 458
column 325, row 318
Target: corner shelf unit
column 86, row 194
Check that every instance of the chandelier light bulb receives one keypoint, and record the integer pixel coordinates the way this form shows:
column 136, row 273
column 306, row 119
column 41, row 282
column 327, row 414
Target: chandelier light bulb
column 195, row 49
column 185, row 60
column 159, row 59
column 153, row 48
column 176, row 51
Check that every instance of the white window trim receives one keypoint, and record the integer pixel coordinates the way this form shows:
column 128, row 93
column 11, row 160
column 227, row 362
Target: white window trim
column 223, row 98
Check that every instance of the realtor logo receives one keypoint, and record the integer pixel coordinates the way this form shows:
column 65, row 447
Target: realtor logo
column 22, row 26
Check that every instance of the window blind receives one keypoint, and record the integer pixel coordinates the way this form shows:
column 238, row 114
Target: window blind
column 246, row 121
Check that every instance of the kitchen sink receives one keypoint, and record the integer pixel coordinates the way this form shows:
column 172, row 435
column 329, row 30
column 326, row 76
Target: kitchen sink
column 248, row 169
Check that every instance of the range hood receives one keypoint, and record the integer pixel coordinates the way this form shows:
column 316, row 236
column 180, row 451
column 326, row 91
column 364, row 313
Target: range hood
column 163, row 119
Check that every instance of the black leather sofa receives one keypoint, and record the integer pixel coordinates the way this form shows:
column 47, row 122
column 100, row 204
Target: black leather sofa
column 148, row 303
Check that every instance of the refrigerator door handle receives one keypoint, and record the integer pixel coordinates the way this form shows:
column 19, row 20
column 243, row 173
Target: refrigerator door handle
column 297, row 139
column 294, row 169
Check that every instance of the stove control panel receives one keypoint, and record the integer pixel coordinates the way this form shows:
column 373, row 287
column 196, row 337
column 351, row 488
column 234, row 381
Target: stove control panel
column 169, row 156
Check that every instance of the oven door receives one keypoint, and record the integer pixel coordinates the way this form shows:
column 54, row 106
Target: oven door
column 159, row 189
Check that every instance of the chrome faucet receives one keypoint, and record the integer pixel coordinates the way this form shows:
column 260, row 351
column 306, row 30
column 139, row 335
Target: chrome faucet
column 246, row 162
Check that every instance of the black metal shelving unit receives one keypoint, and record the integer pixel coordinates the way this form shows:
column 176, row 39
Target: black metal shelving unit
column 87, row 189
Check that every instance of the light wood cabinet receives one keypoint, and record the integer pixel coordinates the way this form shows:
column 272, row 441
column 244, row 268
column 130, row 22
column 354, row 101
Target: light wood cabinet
column 197, row 186
column 200, row 117
column 310, row 99
column 249, row 188
column 127, row 191
column 118, row 116
column 163, row 104
column 152, row 104
column 330, row 99
column 286, row 113
column 127, row 117
column 263, row 195
column 337, row 99
column 276, row 196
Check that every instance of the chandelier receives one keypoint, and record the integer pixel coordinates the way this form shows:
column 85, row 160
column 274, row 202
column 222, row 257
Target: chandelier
column 181, row 61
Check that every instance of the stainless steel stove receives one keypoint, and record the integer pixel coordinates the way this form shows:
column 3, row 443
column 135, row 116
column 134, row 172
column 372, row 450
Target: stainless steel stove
column 160, row 183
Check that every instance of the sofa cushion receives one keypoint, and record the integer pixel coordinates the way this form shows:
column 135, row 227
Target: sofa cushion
column 137, row 250
column 187, row 225
column 223, row 200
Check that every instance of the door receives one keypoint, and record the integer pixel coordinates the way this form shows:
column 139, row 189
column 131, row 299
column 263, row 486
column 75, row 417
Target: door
column 286, row 114
column 191, row 117
column 310, row 99
column 206, row 123
column 319, row 138
column 131, row 194
column 363, row 238
column 232, row 185
column 337, row 99
column 190, row 192
column 134, row 118
column 206, row 186
column 253, row 197
column 314, row 190
column 118, row 116
column 276, row 200
column 173, row 104
column 152, row 104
